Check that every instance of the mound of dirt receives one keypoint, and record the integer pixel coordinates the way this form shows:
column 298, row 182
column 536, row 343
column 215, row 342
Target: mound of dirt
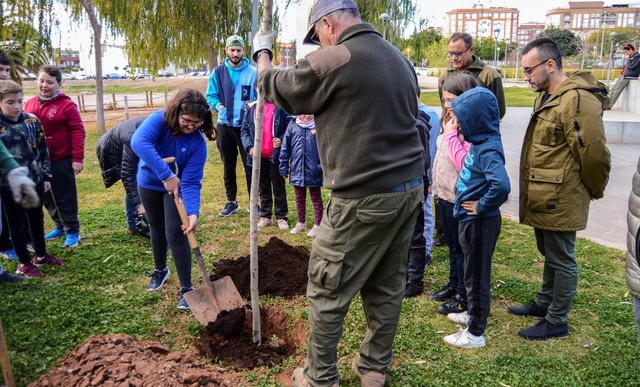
column 282, row 270
column 120, row 360
column 238, row 351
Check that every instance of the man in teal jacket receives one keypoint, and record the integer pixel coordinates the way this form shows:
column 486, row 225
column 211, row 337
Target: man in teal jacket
column 231, row 85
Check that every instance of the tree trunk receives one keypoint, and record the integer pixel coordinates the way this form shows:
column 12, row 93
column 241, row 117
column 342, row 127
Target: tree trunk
column 97, row 46
column 255, row 184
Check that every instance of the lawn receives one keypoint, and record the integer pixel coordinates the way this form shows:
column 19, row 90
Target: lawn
column 102, row 289
column 515, row 97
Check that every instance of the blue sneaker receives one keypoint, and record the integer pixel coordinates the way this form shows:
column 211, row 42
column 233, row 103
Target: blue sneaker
column 229, row 209
column 182, row 304
column 72, row 239
column 158, row 278
column 54, row 234
column 10, row 254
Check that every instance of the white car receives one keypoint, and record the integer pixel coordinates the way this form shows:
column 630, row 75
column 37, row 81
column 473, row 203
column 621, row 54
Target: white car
column 421, row 70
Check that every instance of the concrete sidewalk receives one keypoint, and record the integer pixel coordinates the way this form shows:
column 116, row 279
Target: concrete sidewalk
column 608, row 216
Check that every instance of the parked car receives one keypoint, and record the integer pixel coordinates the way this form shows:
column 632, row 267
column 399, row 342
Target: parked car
column 421, row 71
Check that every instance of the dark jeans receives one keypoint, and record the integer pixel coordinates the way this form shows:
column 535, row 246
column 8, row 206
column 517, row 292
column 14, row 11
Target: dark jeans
column 229, row 145
column 166, row 232
column 478, row 239
column 437, row 217
column 456, row 256
column 417, row 252
column 61, row 201
column 272, row 186
column 25, row 224
column 5, row 236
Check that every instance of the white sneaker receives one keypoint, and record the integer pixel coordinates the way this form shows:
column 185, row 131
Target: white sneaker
column 464, row 339
column 459, row 318
column 299, row 227
column 283, row 225
column 314, row 231
column 264, row 222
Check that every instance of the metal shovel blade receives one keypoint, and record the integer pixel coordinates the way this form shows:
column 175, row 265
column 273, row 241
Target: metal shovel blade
column 207, row 302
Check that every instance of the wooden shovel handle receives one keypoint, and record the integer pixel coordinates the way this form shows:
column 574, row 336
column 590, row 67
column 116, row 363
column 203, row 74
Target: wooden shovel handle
column 193, row 242
column 4, row 360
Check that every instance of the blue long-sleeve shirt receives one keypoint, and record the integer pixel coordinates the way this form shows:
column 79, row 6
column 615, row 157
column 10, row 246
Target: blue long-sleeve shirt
column 483, row 176
column 153, row 141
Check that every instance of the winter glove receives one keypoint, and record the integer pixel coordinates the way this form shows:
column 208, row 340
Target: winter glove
column 263, row 41
column 23, row 188
column 142, row 226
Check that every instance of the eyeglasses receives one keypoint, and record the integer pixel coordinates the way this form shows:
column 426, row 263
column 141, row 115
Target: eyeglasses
column 527, row 70
column 457, row 54
column 195, row 124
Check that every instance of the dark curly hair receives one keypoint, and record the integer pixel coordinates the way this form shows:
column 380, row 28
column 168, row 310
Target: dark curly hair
column 190, row 101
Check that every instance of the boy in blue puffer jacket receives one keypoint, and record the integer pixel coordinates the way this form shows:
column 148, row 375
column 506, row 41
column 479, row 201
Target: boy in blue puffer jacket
column 482, row 187
column 300, row 161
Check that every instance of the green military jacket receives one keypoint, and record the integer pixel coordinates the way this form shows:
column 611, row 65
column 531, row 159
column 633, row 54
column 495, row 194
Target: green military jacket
column 564, row 161
column 486, row 76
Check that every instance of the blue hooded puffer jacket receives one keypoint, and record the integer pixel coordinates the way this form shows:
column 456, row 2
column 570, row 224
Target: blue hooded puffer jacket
column 483, row 176
column 299, row 147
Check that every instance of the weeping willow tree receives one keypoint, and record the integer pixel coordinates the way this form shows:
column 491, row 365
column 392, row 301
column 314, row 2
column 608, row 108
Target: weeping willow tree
column 25, row 39
column 401, row 12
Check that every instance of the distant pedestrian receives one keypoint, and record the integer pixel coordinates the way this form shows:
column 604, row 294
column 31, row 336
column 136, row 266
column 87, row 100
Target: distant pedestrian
column 564, row 165
column 177, row 131
column 631, row 71
column 231, row 85
column 119, row 162
column 65, row 133
column 300, row 162
column 273, row 191
column 23, row 136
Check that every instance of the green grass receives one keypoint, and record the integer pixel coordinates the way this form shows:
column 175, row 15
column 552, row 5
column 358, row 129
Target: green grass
column 102, row 289
column 514, row 96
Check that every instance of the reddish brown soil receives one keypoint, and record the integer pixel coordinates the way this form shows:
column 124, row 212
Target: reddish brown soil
column 119, row 360
column 282, row 270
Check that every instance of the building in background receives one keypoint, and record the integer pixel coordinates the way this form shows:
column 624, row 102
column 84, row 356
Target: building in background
column 66, row 58
column 586, row 17
column 287, row 54
column 481, row 22
column 528, row 31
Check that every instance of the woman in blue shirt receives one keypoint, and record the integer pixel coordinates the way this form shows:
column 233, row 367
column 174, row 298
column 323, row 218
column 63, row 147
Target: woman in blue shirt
column 177, row 131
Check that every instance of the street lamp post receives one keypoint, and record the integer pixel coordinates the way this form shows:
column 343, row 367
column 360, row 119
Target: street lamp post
column 612, row 37
column 385, row 19
column 498, row 56
column 604, row 17
column 496, row 33
column 286, row 53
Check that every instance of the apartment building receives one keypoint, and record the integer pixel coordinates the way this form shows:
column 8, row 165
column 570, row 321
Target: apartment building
column 481, row 22
column 585, row 17
column 528, row 31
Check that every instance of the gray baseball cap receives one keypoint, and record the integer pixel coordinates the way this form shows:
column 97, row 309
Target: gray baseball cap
column 322, row 8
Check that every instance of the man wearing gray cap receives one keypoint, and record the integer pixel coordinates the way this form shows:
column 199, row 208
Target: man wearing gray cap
column 361, row 91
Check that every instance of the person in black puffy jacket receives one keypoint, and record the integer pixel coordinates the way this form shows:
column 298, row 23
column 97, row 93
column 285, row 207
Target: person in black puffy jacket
column 119, row 162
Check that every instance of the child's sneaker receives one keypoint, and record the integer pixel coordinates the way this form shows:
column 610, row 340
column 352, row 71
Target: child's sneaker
column 464, row 339
column 29, row 270
column 314, row 231
column 299, row 227
column 72, row 239
column 264, row 222
column 49, row 260
column 283, row 225
column 10, row 254
column 54, row 234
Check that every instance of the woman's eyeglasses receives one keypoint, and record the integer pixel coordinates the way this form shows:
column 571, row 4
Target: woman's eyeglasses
column 195, row 124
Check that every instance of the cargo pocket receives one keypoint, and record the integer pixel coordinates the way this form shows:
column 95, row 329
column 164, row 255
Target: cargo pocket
column 325, row 267
column 376, row 215
column 543, row 189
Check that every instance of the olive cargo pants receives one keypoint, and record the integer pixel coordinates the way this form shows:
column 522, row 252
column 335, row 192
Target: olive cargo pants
column 362, row 245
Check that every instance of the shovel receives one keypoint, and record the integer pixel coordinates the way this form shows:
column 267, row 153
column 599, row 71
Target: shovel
column 208, row 301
